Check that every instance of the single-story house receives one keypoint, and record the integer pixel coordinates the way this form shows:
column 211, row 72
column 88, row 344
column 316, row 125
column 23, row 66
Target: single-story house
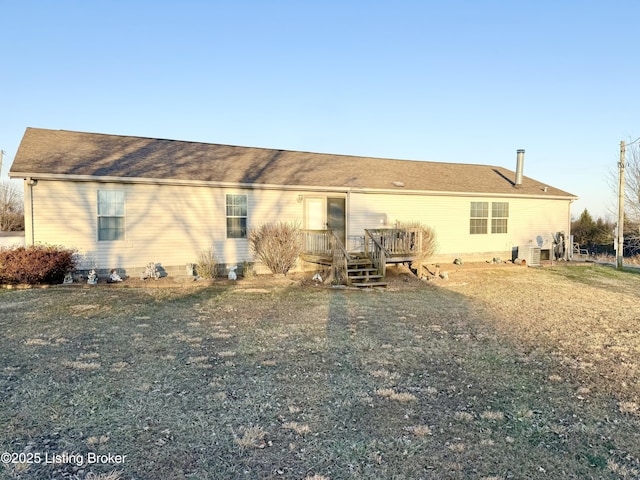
column 125, row 201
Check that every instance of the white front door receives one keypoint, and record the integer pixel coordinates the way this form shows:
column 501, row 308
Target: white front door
column 315, row 213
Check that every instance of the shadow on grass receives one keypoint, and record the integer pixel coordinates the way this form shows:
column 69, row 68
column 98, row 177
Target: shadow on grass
column 220, row 383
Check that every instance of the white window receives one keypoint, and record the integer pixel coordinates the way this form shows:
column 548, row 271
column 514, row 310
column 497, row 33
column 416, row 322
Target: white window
column 111, row 219
column 236, row 216
column 479, row 217
column 499, row 217
column 479, row 221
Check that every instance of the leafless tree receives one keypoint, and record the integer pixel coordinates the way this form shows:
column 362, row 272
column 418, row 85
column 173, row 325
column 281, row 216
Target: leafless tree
column 632, row 183
column 11, row 208
column 631, row 196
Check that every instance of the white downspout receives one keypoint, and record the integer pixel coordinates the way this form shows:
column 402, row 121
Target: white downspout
column 568, row 239
column 29, row 223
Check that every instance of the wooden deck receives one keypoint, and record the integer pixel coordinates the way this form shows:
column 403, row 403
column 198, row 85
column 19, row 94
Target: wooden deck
column 318, row 246
column 382, row 246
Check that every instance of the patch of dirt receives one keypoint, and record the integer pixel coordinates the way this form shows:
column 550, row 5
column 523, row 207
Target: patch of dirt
column 82, row 308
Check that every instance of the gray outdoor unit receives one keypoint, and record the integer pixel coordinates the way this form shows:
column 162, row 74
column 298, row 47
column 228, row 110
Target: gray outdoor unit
column 529, row 254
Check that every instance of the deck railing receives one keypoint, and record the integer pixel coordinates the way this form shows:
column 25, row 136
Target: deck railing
column 381, row 245
column 317, row 242
column 398, row 242
column 340, row 261
column 376, row 252
column 325, row 244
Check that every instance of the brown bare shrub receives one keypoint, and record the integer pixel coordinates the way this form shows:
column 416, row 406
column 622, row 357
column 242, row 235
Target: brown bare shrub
column 36, row 264
column 429, row 241
column 207, row 263
column 277, row 245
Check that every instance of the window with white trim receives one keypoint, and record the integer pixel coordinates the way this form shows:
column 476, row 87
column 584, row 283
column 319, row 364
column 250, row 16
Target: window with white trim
column 499, row 217
column 479, row 218
column 236, row 216
column 111, row 215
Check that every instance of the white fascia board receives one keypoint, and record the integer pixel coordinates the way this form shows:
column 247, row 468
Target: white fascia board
column 259, row 186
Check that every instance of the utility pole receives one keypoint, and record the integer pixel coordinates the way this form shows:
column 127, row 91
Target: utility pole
column 620, row 239
column 1, row 156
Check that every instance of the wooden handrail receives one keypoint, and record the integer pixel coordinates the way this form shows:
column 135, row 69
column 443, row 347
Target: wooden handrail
column 339, row 245
column 398, row 241
column 327, row 244
column 340, row 260
column 374, row 240
column 377, row 253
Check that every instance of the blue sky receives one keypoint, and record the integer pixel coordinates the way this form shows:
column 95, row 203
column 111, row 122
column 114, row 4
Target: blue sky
column 454, row 81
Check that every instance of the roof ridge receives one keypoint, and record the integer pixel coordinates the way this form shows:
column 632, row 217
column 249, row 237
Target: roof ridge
column 102, row 155
column 347, row 155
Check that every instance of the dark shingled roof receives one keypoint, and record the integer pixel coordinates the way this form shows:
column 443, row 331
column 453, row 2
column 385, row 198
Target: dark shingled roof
column 60, row 152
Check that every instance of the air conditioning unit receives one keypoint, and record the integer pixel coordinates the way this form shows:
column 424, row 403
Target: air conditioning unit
column 530, row 254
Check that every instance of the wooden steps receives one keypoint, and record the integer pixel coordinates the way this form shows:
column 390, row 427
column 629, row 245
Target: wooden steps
column 363, row 274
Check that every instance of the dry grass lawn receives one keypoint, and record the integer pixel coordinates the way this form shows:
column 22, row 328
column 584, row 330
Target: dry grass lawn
column 496, row 373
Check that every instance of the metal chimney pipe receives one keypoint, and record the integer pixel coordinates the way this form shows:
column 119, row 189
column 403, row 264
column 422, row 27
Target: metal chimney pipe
column 519, row 167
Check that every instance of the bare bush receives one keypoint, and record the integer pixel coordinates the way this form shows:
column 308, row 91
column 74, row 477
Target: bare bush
column 247, row 269
column 429, row 241
column 207, row 263
column 277, row 245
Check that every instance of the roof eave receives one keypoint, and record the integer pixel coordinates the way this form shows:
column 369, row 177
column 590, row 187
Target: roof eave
column 265, row 186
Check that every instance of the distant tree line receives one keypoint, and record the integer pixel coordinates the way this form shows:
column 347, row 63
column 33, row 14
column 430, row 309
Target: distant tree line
column 598, row 236
column 594, row 235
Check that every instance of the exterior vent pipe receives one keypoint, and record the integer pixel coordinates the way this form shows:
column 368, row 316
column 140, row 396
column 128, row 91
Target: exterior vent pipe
column 519, row 168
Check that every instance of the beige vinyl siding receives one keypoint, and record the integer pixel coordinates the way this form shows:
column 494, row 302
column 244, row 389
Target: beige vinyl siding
column 449, row 217
column 62, row 215
column 170, row 224
column 164, row 224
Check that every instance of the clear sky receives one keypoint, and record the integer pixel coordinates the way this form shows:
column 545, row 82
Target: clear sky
column 451, row 81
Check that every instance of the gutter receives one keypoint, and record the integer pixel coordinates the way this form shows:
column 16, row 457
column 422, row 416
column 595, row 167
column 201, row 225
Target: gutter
column 293, row 188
